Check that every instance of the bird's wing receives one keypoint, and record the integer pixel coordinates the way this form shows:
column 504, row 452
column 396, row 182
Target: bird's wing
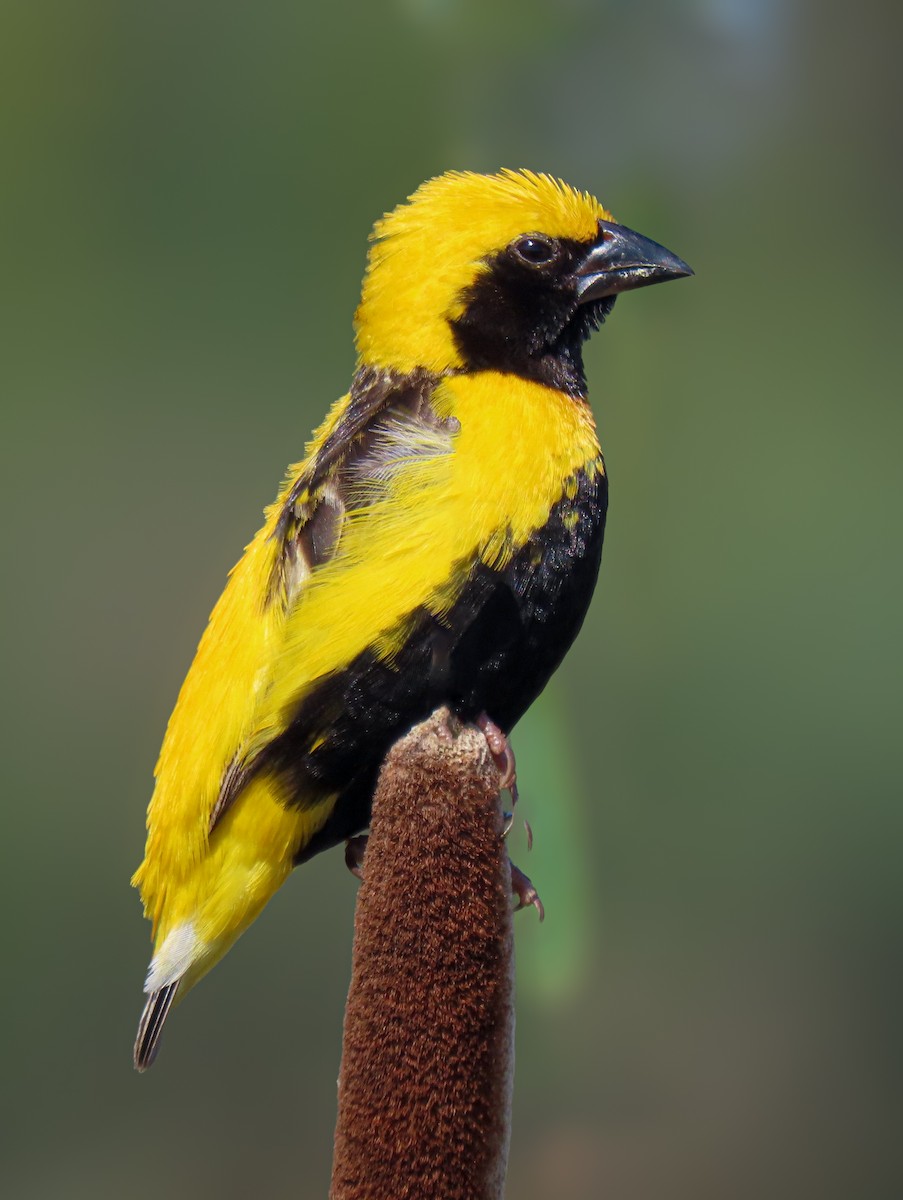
column 225, row 713
column 388, row 423
column 387, row 428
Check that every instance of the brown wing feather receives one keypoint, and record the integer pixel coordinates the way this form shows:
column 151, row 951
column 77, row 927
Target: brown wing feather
column 310, row 524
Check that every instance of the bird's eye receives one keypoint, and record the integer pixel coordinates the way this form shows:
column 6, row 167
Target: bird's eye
column 536, row 249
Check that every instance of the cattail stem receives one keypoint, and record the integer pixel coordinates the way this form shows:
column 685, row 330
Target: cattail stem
column 427, row 1059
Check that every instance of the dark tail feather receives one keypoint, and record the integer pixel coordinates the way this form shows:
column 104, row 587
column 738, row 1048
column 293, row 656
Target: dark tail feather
column 151, row 1025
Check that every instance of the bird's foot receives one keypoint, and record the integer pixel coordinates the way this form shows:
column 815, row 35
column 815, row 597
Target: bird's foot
column 527, row 895
column 502, row 754
column 355, row 849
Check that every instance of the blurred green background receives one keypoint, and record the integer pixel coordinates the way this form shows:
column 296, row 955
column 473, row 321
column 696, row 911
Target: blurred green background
column 712, row 1008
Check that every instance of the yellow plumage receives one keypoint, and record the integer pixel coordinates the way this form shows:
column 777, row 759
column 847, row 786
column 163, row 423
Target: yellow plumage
column 398, row 555
column 467, row 487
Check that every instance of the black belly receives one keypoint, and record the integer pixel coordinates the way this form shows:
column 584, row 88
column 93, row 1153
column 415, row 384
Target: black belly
column 493, row 652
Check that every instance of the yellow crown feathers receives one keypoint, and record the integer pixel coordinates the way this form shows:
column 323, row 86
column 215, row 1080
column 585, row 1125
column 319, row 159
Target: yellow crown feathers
column 429, row 249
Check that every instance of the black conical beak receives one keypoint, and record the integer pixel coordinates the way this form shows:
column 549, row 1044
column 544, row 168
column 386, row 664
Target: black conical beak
column 622, row 260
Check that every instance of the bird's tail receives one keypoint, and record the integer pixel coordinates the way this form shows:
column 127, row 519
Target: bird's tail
column 200, row 913
column 151, row 1024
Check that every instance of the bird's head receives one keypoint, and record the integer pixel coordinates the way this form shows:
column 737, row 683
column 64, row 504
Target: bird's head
column 507, row 272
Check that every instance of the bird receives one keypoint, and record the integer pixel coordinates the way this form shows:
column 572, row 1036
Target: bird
column 438, row 544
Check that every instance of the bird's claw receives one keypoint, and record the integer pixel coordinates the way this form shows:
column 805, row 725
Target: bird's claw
column 527, row 895
column 355, row 849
